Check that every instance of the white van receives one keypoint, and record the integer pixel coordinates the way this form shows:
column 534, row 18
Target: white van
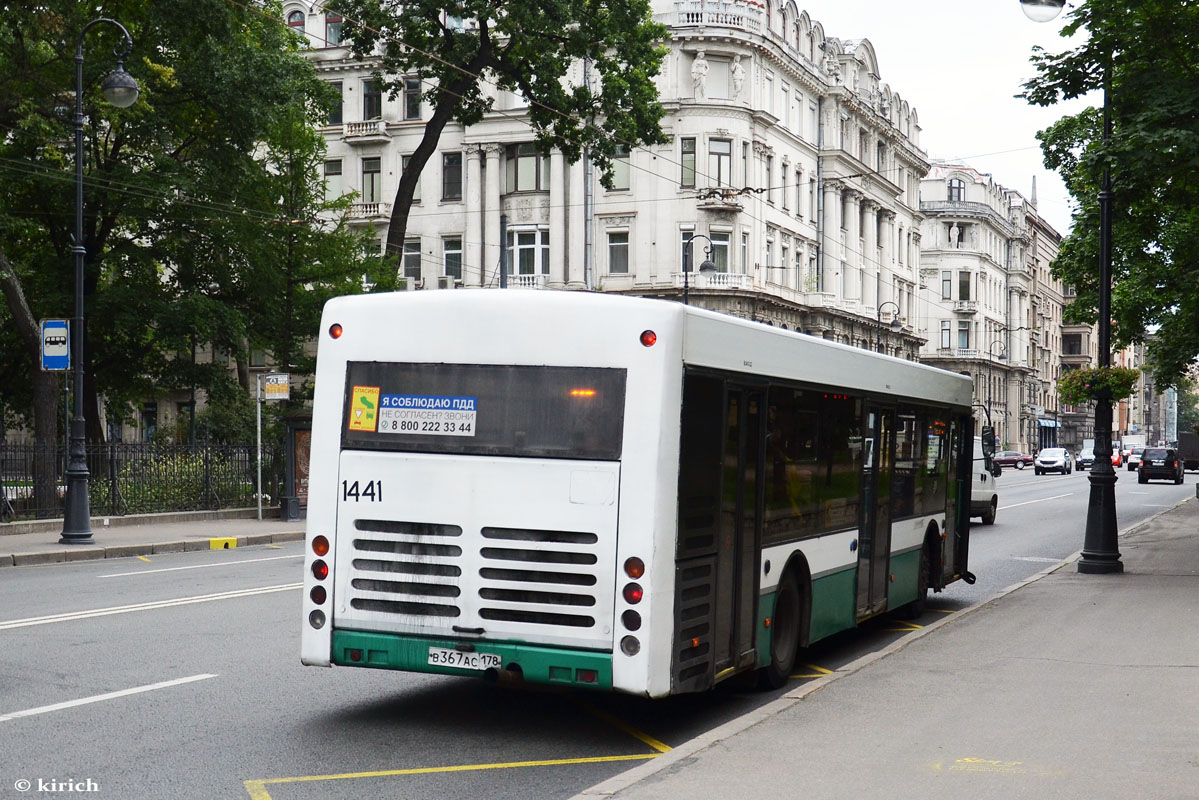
column 984, row 498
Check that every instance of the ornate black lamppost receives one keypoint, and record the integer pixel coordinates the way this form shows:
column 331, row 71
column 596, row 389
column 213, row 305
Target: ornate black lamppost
column 706, row 267
column 1100, row 550
column 120, row 89
column 896, row 325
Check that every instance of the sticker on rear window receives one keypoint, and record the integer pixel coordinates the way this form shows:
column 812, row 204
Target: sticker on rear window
column 437, row 415
column 364, row 408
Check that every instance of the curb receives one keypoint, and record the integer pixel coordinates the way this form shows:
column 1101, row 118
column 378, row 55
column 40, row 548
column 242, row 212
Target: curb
column 110, row 521
column 693, row 747
column 76, row 553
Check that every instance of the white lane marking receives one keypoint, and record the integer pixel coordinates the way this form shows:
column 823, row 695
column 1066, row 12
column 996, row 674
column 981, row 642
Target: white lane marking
column 179, row 601
column 1030, row 502
column 197, row 566
column 1038, row 559
column 1155, row 505
column 31, row 712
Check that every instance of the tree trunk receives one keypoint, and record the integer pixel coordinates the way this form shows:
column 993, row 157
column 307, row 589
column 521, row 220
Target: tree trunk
column 45, row 393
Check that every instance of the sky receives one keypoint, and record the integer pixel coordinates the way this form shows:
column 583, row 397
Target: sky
column 960, row 63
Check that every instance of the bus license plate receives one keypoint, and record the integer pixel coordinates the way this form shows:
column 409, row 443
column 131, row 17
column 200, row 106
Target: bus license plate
column 445, row 657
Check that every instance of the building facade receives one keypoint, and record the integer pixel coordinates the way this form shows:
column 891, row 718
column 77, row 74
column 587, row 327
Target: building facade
column 791, row 167
column 989, row 307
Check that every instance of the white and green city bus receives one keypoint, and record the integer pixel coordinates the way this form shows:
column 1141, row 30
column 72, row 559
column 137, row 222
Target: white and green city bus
column 617, row 493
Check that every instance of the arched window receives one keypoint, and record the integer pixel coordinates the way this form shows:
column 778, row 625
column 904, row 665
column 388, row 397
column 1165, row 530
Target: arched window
column 295, row 19
column 957, row 190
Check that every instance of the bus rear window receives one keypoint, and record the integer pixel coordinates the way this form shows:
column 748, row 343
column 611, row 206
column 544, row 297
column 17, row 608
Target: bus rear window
column 482, row 409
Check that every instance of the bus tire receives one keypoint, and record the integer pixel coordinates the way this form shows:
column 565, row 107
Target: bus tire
column 784, row 634
column 915, row 609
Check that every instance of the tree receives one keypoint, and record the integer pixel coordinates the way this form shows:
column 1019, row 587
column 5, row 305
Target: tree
column 1148, row 52
column 194, row 206
column 534, row 47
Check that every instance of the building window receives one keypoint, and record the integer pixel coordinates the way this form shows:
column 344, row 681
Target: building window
column 964, row 335
column 371, row 179
column 333, row 186
column 523, row 250
column 332, row 29
column 720, row 162
column 149, row 421
column 526, row 169
column 799, row 190
column 946, row 334
column 411, row 98
column 405, row 160
column 451, row 176
column 620, row 168
column 295, row 21
column 769, row 255
column 770, row 179
column 957, row 190
column 688, row 160
column 335, row 112
column 745, row 254
column 720, row 251
column 451, row 250
column 963, row 285
column 372, row 100
column 411, row 259
column 618, row 252
column 786, row 106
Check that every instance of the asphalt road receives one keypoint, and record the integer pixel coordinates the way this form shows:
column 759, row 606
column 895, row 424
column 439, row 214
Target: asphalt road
column 180, row 677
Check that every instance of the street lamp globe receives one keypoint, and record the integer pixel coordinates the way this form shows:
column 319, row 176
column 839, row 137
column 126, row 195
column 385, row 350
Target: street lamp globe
column 120, row 88
column 1042, row 10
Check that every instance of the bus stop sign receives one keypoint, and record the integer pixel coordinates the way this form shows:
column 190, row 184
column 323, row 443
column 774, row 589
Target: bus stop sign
column 56, row 345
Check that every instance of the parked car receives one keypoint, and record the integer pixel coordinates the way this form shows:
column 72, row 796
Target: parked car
column 1012, row 458
column 1053, row 459
column 1134, row 457
column 1160, row 463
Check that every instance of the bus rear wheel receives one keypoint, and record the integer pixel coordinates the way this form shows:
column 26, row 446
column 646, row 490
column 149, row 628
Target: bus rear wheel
column 784, row 634
column 915, row 609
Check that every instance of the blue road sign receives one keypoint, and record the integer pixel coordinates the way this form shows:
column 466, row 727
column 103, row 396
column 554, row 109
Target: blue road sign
column 56, row 344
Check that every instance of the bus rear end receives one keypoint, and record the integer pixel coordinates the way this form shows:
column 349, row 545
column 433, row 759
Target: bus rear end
column 463, row 515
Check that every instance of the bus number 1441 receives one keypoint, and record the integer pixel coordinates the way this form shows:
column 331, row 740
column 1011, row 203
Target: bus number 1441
column 370, row 491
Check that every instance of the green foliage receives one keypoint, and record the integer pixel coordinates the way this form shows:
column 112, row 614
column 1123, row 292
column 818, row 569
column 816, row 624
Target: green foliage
column 1149, row 53
column 176, row 481
column 533, row 47
column 205, row 223
column 1080, row 386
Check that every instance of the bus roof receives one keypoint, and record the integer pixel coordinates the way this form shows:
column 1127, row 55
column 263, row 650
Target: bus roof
column 500, row 322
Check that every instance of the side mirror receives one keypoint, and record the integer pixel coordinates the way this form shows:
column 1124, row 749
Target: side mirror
column 996, row 470
column 988, row 438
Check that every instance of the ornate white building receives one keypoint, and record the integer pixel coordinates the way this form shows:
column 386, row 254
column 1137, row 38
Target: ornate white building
column 790, row 162
column 990, row 308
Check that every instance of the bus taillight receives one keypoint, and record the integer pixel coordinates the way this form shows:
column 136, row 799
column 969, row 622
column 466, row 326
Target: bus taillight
column 320, row 546
column 318, row 595
column 634, row 567
column 649, row 338
column 335, row 331
column 633, row 593
column 320, row 570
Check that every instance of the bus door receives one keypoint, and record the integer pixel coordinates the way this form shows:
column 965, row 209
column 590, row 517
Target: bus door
column 740, row 513
column 874, row 538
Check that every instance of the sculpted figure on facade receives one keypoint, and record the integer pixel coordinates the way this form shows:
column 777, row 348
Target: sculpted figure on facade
column 955, row 235
column 699, row 74
column 738, row 74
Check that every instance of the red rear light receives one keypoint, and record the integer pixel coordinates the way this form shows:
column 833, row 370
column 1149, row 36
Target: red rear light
column 320, row 546
column 335, row 331
column 318, row 595
column 648, row 338
column 634, row 567
column 320, row 570
column 633, row 594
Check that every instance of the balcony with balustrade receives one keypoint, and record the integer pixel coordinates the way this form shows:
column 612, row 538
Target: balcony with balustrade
column 360, row 133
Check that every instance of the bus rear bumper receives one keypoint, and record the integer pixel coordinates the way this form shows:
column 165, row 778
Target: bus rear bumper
column 535, row 664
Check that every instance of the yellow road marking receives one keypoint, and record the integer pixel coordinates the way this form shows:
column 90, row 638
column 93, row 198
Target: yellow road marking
column 258, row 791
column 817, row 672
column 143, row 558
column 907, row 626
column 222, row 544
column 275, row 546
column 942, row 610
column 631, row 731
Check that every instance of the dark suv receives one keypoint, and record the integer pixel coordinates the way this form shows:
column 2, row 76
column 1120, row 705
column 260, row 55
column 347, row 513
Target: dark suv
column 1160, row 463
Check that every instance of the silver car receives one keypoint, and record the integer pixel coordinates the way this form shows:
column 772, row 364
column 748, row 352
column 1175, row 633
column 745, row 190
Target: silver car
column 1053, row 459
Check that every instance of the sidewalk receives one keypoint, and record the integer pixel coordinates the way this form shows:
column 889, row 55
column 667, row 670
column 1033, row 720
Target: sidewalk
column 143, row 536
column 1064, row 686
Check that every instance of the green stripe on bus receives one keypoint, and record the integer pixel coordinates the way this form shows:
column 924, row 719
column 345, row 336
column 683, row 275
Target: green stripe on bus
column 833, row 603
column 537, row 664
column 906, row 568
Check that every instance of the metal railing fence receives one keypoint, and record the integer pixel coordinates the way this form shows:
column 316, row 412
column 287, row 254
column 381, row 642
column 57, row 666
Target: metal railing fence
column 135, row 478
